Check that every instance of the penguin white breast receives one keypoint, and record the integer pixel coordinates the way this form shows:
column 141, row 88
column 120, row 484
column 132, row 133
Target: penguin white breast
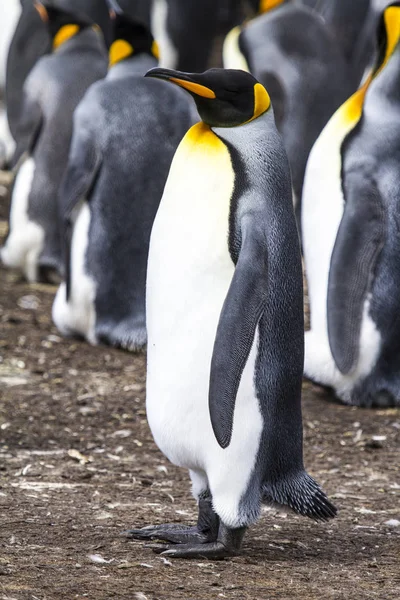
column 26, row 238
column 189, row 273
column 77, row 315
column 322, row 212
column 232, row 57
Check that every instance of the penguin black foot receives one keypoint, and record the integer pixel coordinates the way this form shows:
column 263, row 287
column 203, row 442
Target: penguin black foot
column 205, row 531
column 227, row 545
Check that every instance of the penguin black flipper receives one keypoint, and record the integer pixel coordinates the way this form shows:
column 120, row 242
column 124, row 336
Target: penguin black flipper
column 83, row 169
column 240, row 314
column 28, row 128
column 359, row 241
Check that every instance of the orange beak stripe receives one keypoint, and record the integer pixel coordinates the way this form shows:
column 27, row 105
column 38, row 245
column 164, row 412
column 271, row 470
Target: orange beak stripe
column 196, row 88
column 42, row 12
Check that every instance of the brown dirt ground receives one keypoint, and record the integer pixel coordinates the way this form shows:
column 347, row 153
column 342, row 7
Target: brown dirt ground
column 78, row 465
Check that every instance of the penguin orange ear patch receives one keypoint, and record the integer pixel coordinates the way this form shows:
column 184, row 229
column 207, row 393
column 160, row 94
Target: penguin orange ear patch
column 64, row 34
column 195, row 88
column 262, row 101
column 42, row 12
column 155, row 50
column 266, row 5
column 120, row 49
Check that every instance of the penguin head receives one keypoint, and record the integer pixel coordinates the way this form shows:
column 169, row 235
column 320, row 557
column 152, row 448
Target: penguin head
column 263, row 6
column 388, row 35
column 130, row 37
column 224, row 97
column 65, row 18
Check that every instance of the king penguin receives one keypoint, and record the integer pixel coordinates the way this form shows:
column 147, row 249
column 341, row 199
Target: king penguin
column 351, row 241
column 350, row 23
column 31, row 41
column 289, row 49
column 52, row 91
column 225, row 304
column 126, row 131
column 186, row 30
column 9, row 15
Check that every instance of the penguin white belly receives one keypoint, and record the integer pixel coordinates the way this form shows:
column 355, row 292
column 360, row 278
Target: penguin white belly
column 26, row 238
column 7, row 143
column 322, row 212
column 9, row 14
column 168, row 52
column 189, row 273
column 77, row 315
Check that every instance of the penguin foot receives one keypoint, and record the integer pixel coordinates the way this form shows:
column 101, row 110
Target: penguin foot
column 212, row 551
column 227, row 545
column 169, row 532
column 205, row 531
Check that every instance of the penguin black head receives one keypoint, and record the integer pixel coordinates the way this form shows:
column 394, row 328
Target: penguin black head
column 56, row 14
column 62, row 24
column 130, row 37
column 224, row 97
column 388, row 35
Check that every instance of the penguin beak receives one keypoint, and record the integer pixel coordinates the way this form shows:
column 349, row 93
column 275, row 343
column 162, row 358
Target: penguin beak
column 186, row 81
column 42, row 11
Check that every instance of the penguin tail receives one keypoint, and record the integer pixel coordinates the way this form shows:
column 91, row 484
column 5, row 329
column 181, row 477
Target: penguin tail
column 302, row 494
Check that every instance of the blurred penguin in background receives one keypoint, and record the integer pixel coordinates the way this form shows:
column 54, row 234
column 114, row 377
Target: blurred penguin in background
column 32, row 40
column 290, row 50
column 9, row 13
column 353, row 25
column 186, row 30
column 126, row 131
column 351, row 207
column 52, row 91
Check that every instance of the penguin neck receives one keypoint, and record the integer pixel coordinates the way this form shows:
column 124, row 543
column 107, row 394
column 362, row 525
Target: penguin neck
column 386, row 82
column 136, row 64
column 248, row 135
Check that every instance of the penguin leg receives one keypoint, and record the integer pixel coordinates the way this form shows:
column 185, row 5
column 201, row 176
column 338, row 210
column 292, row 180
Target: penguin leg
column 205, row 531
column 228, row 544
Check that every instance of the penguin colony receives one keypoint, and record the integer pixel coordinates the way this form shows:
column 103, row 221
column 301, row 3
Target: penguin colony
column 167, row 202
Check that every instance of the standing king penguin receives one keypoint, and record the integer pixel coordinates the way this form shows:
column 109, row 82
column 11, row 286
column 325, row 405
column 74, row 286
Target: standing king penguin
column 351, row 243
column 225, row 320
column 52, row 91
column 126, row 131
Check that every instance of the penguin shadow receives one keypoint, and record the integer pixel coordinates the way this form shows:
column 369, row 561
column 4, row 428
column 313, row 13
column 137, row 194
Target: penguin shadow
column 301, row 543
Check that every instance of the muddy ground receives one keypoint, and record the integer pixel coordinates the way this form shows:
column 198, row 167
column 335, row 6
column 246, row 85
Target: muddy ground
column 78, row 466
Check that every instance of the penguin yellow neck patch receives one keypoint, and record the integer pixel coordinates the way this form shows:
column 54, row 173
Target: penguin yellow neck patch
column 201, row 137
column 351, row 110
column 267, row 5
column 120, row 49
column 64, row 34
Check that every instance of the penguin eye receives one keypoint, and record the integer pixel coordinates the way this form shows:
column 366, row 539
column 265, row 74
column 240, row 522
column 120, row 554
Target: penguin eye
column 232, row 90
